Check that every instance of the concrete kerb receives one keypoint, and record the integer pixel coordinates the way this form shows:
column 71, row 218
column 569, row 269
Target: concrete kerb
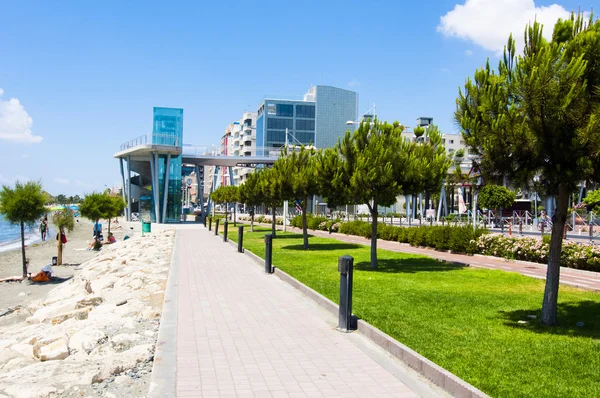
column 164, row 369
column 435, row 373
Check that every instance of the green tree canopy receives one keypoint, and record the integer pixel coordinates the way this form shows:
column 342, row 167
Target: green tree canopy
column 539, row 115
column 271, row 189
column 593, row 198
column 23, row 205
column 298, row 168
column 251, row 195
column 96, row 206
column 63, row 220
column 496, row 197
column 370, row 166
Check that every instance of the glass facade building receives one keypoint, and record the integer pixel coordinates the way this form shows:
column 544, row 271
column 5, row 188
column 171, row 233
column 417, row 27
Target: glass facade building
column 168, row 130
column 319, row 119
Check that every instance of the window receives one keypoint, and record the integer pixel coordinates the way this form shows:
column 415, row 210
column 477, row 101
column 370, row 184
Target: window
column 462, row 142
column 276, row 123
column 285, row 110
column 275, row 136
column 450, row 150
column 305, row 111
column 302, row 124
column 452, row 141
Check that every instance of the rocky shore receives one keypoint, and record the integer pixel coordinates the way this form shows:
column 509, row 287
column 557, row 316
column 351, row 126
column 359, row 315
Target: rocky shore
column 95, row 334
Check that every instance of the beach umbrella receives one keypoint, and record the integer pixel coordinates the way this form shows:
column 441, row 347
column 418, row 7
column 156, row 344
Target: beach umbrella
column 74, row 207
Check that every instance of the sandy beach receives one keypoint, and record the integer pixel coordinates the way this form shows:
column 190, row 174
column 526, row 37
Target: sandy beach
column 13, row 294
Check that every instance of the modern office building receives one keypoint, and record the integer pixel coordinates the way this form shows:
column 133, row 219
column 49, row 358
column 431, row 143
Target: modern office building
column 161, row 176
column 319, row 118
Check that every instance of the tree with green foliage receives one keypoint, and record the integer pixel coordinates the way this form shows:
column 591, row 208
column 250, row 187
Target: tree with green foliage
column 371, row 164
column 592, row 200
column 225, row 195
column 117, row 205
column 539, row 115
column 299, row 182
column 250, row 195
column 96, row 206
column 61, row 199
column 23, row 205
column 63, row 220
column 418, row 132
column 271, row 189
column 496, row 197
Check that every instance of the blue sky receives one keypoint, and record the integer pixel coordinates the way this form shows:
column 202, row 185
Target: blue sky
column 77, row 79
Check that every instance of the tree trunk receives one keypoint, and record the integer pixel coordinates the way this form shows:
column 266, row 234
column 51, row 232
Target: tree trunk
column 23, row 249
column 109, row 225
column 59, row 244
column 549, row 306
column 374, row 216
column 304, row 224
column 226, row 206
column 235, row 214
column 273, row 222
column 252, row 222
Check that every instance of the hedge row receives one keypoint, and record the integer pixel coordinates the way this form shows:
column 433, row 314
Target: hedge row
column 459, row 239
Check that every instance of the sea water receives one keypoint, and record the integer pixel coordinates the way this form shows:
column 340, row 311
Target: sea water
column 10, row 235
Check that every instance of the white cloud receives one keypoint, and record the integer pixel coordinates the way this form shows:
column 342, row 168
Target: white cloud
column 25, row 156
column 488, row 23
column 353, row 82
column 468, row 53
column 15, row 123
column 61, row 180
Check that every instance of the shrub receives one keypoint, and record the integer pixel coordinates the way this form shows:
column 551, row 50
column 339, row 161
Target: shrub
column 573, row 255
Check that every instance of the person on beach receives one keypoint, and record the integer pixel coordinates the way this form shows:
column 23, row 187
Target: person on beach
column 95, row 244
column 45, row 275
column 44, row 228
column 111, row 239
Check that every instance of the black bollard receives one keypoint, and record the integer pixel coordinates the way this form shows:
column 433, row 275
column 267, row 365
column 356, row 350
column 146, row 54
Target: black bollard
column 225, row 225
column 268, row 253
column 345, row 265
column 216, row 227
column 204, row 221
column 209, row 224
column 240, row 239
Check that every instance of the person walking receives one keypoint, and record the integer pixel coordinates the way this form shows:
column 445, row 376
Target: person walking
column 44, row 228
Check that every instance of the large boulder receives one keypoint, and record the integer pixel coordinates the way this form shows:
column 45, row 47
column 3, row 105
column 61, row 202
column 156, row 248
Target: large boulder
column 51, row 348
column 86, row 340
column 125, row 360
column 46, row 313
column 123, row 341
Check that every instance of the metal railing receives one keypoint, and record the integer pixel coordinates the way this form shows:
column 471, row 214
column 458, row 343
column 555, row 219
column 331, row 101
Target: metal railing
column 151, row 139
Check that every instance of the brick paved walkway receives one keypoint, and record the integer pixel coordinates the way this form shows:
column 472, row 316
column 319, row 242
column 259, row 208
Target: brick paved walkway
column 583, row 279
column 241, row 332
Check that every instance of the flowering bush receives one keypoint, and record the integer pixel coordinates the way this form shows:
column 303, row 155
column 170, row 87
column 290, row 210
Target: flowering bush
column 573, row 255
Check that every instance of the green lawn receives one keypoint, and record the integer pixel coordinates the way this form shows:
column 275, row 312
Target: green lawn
column 463, row 319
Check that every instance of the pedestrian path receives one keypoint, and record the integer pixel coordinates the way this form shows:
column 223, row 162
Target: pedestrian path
column 577, row 278
column 244, row 333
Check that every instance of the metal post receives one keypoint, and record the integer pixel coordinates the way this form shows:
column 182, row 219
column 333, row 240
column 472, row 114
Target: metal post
column 225, row 225
column 268, row 253
column 240, row 239
column 591, row 227
column 216, row 227
column 128, row 188
column 285, row 210
column 210, row 223
column 166, row 192
column 155, row 187
column 345, row 266
column 123, row 191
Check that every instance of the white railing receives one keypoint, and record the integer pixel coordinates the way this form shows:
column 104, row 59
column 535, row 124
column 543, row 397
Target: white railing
column 151, row 139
